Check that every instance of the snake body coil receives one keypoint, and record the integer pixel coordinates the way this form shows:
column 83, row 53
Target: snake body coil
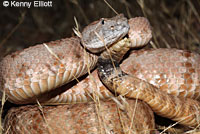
column 25, row 76
column 28, row 75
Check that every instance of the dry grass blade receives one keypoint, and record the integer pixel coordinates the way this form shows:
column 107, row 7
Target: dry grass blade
column 127, row 5
column 7, row 130
column 76, row 29
column 45, row 120
column 81, row 10
column 111, row 7
column 195, row 37
column 164, row 40
column 106, row 47
column 171, row 126
column 51, row 52
column 153, row 45
column 3, row 100
column 122, row 107
column 142, row 5
column 119, row 104
column 78, row 33
column 98, row 111
column 133, row 115
column 194, row 10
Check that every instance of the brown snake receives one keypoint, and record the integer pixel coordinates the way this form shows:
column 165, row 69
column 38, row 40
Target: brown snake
column 32, row 73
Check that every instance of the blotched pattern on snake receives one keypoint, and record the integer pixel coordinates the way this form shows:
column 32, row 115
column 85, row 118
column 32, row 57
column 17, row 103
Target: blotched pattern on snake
column 166, row 79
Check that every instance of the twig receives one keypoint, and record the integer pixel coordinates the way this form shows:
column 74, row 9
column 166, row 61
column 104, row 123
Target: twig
column 111, row 7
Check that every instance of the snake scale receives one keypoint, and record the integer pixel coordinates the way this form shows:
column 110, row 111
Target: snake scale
column 166, row 79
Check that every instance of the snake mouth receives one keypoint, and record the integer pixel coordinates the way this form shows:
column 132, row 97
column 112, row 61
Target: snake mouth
column 139, row 33
column 105, row 46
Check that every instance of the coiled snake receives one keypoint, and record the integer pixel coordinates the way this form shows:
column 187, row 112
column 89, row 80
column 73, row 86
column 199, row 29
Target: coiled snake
column 166, row 79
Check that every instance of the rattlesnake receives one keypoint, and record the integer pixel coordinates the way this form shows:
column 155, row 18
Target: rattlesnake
column 54, row 69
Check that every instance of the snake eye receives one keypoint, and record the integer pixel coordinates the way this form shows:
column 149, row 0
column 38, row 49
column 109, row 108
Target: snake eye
column 112, row 27
column 102, row 22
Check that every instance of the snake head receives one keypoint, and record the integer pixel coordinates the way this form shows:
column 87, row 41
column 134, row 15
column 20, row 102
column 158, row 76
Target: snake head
column 104, row 32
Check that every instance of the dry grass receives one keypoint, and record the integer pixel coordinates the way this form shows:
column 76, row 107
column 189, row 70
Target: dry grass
column 176, row 24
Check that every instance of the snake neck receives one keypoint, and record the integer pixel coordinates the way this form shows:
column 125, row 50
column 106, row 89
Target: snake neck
column 109, row 72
